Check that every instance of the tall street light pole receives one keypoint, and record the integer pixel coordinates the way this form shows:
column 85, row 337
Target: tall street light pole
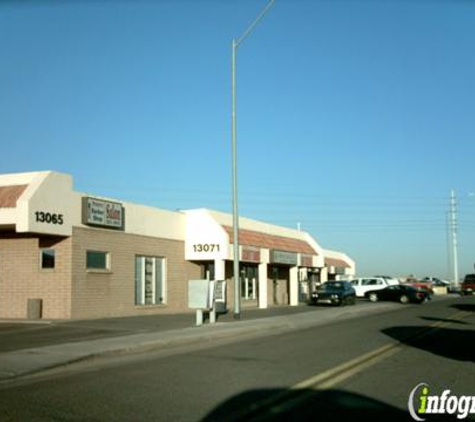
column 237, row 279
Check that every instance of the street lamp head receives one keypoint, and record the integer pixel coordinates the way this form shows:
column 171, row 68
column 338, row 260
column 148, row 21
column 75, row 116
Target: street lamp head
column 253, row 24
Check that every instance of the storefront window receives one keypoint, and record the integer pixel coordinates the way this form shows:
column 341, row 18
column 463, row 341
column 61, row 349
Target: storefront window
column 249, row 282
column 96, row 260
column 47, row 258
column 150, row 280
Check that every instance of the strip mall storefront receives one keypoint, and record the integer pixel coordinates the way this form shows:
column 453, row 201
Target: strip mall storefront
column 338, row 266
column 274, row 261
column 65, row 254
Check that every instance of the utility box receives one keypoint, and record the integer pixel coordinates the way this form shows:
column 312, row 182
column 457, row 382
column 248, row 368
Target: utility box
column 207, row 296
column 34, row 309
column 200, row 294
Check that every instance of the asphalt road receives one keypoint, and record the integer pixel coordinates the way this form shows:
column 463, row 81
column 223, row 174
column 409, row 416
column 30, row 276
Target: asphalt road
column 363, row 369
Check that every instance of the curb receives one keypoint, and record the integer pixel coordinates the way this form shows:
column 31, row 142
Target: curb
column 27, row 321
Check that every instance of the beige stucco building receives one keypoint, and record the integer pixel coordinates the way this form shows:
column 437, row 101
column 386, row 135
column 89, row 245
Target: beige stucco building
column 338, row 266
column 66, row 254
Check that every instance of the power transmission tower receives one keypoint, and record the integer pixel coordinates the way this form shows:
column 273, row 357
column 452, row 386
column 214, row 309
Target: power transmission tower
column 453, row 226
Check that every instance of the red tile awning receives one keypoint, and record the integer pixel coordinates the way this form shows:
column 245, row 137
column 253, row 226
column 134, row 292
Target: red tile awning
column 10, row 194
column 333, row 262
column 269, row 241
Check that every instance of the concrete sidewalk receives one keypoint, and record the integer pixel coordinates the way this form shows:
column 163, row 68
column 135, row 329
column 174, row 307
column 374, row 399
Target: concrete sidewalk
column 27, row 361
column 26, row 334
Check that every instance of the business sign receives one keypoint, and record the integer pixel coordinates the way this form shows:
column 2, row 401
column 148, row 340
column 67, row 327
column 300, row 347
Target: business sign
column 220, row 291
column 340, row 270
column 281, row 257
column 97, row 212
column 251, row 254
column 306, row 261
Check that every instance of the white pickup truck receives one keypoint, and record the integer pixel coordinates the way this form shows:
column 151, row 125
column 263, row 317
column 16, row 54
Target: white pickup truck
column 363, row 285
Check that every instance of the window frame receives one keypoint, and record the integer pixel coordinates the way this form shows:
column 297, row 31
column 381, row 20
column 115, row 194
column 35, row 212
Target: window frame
column 106, row 269
column 41, row 252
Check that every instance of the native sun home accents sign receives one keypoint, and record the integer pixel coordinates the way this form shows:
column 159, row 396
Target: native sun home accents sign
column 97, row 212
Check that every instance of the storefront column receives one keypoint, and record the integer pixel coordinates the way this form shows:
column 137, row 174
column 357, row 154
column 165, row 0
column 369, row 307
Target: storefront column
column 294, row 286
column 323, row 275
column 219, row 269
column 263, row 285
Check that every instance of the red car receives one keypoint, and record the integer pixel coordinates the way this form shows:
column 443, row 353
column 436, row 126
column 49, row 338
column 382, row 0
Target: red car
column 422, row 285
column 468, row 285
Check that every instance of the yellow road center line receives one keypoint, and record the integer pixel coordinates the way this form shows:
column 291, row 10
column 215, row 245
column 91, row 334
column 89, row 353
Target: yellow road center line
column 364, row 365
column 350, row 365
column 347, row 369
column 342, row 372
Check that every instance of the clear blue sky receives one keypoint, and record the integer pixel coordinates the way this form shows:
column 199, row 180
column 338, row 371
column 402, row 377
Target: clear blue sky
column 355, row 118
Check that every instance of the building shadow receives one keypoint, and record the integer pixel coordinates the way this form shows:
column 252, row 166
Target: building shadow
column 447, row 342
column 451, row 321
column 303, row 405
column 467, row 307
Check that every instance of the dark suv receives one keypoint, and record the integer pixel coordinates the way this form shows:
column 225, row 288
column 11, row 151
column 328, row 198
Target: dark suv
column 468, row 285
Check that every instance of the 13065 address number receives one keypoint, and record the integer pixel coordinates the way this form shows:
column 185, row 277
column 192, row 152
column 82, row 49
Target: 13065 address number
column 49, row 218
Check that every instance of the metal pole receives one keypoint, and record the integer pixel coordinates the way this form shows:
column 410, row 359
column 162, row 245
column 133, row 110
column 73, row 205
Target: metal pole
column 237, row 280
column 237, row 284
column 453, row 212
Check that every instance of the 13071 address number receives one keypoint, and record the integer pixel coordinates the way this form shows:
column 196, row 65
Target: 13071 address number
column 206, row 247
column 49, row 218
